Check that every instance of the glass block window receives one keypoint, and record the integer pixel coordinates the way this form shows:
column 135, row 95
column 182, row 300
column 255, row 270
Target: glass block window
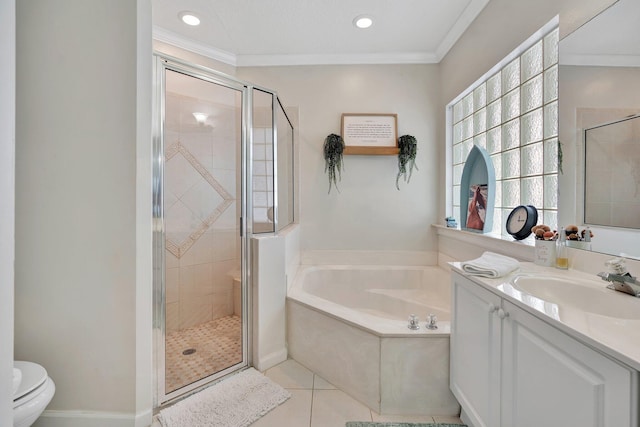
column 513, row 114
column 262, row 178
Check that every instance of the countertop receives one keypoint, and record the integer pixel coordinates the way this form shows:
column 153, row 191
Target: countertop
column 615, row 337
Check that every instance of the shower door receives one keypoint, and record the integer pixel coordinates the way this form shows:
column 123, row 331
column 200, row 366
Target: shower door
column 200, row 253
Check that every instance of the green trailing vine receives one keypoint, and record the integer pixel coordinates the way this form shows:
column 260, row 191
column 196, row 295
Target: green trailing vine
column 560, row 154
column 408, row 146
column 333, row 148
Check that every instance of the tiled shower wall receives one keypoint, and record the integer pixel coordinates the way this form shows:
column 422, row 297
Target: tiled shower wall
column 263, row 166
column 612, row 184
column 262, row 177
column 201, row 214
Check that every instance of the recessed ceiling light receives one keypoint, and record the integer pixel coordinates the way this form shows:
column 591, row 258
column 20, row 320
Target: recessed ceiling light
column 189, row 18
column 363, row 21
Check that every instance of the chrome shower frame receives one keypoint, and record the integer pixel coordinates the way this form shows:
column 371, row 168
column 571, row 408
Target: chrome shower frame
column 162, row 63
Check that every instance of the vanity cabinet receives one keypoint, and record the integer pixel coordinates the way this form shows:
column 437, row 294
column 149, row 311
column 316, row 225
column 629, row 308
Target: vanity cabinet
column 475, row 351
column 512, row 369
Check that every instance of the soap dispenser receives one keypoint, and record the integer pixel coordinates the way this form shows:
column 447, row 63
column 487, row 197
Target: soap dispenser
column 587, row 238
column 562, row 257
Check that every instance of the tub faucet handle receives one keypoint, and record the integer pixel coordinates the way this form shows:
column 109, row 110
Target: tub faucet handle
column 414, row 322
column 432, row 321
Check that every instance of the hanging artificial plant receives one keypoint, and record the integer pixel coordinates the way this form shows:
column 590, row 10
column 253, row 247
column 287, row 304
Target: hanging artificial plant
column 333, row 148
column 408, row 146
column 560, row 157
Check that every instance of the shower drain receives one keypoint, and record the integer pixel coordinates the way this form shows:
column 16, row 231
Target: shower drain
column 189, row 351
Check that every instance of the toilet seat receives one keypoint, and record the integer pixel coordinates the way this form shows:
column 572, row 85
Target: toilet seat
column 34, row 394
column 34, row 378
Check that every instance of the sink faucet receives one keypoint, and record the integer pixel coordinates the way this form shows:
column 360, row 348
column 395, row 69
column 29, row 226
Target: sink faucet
column 620, row 279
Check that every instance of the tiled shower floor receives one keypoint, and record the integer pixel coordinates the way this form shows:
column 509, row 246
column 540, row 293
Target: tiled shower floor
column 218, row 345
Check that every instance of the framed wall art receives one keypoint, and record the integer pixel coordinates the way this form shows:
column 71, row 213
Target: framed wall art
column 370, row 133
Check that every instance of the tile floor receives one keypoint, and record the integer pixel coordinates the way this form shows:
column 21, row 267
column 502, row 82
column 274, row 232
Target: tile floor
column 217, row 345
column 316, row 403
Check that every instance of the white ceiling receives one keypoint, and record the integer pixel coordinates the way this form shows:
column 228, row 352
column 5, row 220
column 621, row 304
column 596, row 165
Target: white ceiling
column 293, row 32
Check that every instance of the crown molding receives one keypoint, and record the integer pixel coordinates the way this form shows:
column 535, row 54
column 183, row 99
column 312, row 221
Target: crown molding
column 469, row 14
column 169, row 37
column 163, row 35
column 337, row 59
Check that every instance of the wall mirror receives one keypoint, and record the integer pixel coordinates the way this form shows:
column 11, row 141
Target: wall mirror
column 599, row 91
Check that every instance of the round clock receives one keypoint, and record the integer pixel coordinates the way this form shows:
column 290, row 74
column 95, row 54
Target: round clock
column 521, row 220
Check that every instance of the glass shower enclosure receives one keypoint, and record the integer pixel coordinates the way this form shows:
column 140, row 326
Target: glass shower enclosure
column 215, row 184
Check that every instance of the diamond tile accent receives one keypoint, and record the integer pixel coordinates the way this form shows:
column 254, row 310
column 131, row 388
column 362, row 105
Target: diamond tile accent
column 178, row 243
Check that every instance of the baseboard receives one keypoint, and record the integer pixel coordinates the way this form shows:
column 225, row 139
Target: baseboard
column 93, row 419
column 144, row 419
column 465, row 418
column 271, row 360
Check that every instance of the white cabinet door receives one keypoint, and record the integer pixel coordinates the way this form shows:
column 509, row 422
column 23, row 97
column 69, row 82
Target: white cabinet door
column 475, row 351
column 550, row 379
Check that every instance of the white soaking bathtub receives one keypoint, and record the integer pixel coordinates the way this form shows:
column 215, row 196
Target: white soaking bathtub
column 349, row 325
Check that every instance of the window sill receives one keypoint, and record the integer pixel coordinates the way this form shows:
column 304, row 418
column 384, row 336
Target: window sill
column 521, row 249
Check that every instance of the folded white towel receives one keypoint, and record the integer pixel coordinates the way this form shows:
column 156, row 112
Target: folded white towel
column 490, row 265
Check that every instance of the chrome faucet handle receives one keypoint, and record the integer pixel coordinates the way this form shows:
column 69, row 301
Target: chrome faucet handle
column 617, row 265
column 414, row 322
column 431, row 322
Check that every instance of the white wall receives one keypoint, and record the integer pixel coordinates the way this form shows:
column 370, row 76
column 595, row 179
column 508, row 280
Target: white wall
column 82, row 296
column 7, row 202
column 144, row 265
column 268, row 291
column 275, row 260
column 368, row 213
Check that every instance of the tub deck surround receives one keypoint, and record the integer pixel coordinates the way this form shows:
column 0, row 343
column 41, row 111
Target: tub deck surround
column 349, row 324
column 351, row 257
column 377, row 299
column 616, row 337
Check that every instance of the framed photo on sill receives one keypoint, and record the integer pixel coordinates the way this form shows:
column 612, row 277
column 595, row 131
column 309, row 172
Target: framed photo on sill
column 477, row 206
column 365, row 133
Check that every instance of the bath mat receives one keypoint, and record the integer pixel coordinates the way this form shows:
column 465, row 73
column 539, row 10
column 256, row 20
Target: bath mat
column 388, row 424
column 237, row 401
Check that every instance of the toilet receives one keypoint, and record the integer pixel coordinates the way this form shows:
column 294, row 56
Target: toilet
column 33, row 390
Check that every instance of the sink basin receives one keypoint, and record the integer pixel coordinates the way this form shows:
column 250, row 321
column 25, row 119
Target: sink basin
column 578, row 294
